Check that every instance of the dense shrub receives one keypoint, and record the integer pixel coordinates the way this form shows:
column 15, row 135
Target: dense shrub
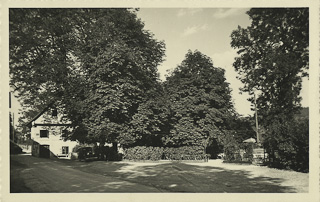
column 231, row 148
column 157, row 153
column 185, row 153
column 288, row 145
column 143, row 153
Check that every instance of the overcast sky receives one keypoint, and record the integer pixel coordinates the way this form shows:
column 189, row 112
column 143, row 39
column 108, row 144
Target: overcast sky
column 207, row 30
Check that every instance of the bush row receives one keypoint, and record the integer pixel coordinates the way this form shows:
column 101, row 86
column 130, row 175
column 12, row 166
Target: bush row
column 157, row 153
column 185, row 153
column 143, row 153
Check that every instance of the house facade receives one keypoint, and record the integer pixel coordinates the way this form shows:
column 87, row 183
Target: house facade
column 49, row 130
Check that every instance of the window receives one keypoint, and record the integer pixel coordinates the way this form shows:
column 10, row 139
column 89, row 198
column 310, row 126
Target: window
column 44, row 133
column 65, row 150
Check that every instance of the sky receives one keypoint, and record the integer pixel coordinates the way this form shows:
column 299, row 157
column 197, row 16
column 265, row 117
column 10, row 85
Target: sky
column 207, row 30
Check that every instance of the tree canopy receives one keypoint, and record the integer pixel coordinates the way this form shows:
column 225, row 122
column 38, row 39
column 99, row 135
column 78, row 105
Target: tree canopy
column 192, row 107
column 273, row 58
column 199, row 100
column 96, row 63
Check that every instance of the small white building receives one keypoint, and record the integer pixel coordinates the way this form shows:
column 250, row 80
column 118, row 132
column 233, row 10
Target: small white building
column 49, row 130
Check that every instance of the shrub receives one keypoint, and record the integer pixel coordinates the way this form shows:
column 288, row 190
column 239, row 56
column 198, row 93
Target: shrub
column 185, row 153
column 231, row 148
column 287, row 143
column 248, row 148
column 143, row 153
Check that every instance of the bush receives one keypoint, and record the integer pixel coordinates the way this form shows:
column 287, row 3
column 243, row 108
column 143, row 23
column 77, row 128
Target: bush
column 287, row 143
column 231, row 148
column 185, row 153
column 143, row 153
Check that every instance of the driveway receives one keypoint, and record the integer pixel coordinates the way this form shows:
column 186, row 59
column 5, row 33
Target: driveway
column 30, row 174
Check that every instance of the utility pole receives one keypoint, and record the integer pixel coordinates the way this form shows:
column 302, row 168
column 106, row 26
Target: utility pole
column 256, row 112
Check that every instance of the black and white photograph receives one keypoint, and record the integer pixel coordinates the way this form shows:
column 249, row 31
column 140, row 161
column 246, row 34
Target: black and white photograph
column 196, row 100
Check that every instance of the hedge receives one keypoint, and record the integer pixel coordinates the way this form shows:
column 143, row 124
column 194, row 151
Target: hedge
column 185, row 153
column 170, row 153
column 143, row 153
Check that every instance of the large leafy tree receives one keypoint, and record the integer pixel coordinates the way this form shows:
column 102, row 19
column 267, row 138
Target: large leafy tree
column 40, row 40
column 95, row 63
column 273, row 59
column 152, row 121
column 199, row 100
column 120, row 69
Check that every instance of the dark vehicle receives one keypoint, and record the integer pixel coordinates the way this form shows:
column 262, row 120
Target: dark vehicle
column 86, row 153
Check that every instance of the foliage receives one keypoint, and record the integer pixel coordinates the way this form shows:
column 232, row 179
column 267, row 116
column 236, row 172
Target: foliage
column 199, row 102
column 97, row 64
column 242, row 128
column 40, row 40
column 185, row 153
column 273, row 58
column 190, row 109
column 248, row 148
column 143, row 153
column 231, row 148
column 290, row 141
column 124, row 70
column 150, row 123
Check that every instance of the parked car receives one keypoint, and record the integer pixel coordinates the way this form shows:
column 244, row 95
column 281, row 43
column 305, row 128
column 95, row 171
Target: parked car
column 86, row 153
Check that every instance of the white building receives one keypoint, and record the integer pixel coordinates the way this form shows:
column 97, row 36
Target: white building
column 49, row 131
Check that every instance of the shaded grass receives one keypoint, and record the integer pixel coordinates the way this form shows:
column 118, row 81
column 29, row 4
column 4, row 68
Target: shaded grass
column 182, row 177
column 17, row 183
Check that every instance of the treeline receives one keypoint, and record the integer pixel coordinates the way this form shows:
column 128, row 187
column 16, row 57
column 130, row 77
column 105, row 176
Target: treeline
column 100, row 67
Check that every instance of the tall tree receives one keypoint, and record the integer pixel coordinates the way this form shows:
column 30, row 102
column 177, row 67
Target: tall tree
column 200, row 102
column 40, row 40
column 96, row 63
column 151, row 122
column 273, row 59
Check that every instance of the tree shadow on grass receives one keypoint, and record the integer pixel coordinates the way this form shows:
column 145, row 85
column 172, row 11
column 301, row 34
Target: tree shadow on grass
column 17, row 184
column 181, row 177
column 128, row 177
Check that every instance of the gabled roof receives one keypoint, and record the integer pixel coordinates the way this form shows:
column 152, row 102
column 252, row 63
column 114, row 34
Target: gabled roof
column 29, row 124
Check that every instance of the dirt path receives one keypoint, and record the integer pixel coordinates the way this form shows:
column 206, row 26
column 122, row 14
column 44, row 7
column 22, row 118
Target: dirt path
column 44, row 175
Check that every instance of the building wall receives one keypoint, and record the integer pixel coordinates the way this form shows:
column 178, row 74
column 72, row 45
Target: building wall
column 54, row 139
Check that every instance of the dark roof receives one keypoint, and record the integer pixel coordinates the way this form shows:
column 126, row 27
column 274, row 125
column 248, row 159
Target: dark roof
column 39, row 114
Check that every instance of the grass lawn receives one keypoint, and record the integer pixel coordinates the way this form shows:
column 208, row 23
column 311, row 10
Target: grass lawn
column 210, row 177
